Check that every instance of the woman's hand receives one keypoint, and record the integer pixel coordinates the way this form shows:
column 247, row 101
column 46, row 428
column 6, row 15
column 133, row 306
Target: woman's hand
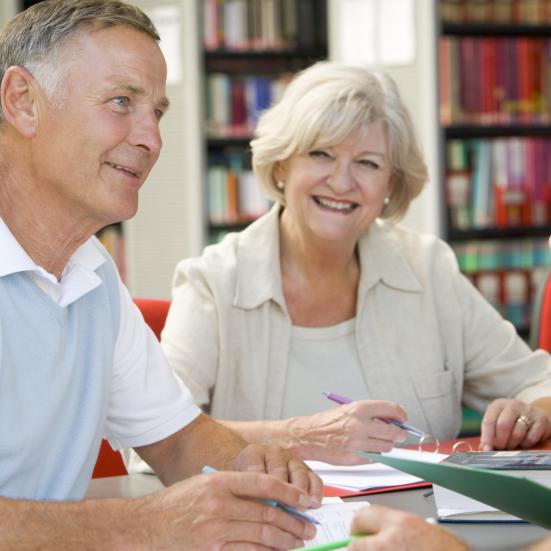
column 509, row 424
column 334, row 435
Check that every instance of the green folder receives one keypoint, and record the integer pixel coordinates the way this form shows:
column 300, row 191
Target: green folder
column 516, row 495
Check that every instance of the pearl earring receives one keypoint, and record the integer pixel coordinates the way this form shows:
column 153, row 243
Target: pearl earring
column 386, row 201
column 280, row 185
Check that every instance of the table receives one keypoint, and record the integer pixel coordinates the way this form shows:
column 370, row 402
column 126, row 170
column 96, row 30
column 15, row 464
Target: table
column 480, row 537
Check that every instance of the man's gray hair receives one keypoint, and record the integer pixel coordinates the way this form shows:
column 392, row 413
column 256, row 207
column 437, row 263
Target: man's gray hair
column 35, row 38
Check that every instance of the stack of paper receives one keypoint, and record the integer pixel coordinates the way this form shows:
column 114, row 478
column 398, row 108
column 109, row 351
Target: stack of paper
column 455, row 507
column 370, row 475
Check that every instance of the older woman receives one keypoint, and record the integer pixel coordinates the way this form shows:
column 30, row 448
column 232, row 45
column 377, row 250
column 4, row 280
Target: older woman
column 327, row 292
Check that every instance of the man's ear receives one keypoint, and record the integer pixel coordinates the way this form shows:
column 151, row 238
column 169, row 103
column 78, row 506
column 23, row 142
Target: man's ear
column 18, row 94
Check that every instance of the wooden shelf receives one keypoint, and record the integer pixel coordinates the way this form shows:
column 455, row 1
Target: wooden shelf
column 303, row 53
column 494, row 29
column 492, row 131
column 520, row 232
column 219, row 143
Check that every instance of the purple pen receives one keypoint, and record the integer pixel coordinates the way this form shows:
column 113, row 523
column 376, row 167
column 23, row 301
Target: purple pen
column 344, row 400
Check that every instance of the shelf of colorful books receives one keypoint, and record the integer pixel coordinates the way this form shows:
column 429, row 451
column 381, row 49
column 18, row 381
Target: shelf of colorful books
column 495, row 81
column 498, row 184
column 509, row 286
column 252, row 48
column 264, row 25
column 495, row 12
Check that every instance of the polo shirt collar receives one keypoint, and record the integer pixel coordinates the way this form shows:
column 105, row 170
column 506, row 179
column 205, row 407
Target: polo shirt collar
column 78, row 278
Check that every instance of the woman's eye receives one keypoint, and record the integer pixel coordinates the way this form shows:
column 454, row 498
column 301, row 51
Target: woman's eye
column 319, row 153
column 369, row 163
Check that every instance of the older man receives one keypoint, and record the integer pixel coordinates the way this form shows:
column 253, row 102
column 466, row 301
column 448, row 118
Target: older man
column 82, row 94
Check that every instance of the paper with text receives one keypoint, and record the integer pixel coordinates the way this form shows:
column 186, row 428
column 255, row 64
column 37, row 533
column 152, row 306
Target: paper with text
column 335, row 517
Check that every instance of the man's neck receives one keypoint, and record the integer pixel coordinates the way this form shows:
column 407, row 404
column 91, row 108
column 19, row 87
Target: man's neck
column 47, row 234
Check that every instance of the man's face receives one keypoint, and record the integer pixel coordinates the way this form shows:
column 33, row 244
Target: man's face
column 93, row 154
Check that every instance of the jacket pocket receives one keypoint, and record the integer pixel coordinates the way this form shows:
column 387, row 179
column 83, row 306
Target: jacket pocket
column 440, row 403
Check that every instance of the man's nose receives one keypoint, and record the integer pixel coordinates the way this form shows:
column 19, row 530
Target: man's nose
column 146, row 133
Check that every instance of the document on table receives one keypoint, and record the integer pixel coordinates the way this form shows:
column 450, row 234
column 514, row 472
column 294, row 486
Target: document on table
column 335, row 517
column 370, row 475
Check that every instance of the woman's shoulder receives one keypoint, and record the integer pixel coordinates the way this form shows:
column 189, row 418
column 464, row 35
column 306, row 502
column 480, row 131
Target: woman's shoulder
column 417, row 247
column 223, row 258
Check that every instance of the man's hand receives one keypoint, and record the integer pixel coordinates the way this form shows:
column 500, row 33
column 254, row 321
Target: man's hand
column 390, row 530
column 284, row 466
column 509, row 424
column 221, row 510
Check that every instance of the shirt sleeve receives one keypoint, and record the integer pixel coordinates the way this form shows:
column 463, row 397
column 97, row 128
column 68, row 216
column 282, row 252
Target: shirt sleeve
column 190, row 338
column 147, row 402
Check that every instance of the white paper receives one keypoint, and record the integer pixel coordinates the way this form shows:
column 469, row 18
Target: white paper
column 335, row 517
column 371, row 475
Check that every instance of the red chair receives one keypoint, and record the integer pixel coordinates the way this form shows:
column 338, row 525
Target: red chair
column 109, row 462
column 540, row 333
column 154, row 311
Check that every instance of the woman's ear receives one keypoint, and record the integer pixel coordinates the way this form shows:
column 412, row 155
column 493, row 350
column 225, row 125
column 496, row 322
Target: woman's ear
column 18, row 94
column 279, row 171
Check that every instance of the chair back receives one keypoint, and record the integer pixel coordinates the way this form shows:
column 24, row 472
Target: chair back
column 109, row 462
column 540, row 328
column 154, row 311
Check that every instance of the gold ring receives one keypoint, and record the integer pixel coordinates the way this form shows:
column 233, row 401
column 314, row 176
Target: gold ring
column 523, row 419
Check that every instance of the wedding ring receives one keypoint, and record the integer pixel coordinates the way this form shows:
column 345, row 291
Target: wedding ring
column 523, row 419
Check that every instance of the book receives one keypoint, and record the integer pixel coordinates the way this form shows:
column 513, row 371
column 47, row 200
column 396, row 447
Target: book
column 519, row 496
column 454, row 507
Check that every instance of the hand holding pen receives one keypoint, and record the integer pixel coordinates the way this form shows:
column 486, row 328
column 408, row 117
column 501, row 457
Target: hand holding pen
column 335, row 434
column 408, row 428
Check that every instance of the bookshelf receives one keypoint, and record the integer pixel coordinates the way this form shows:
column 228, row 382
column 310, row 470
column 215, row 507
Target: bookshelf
column 251, row 48
column 494, row 63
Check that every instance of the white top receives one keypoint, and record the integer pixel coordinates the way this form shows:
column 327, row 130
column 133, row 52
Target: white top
column 322, row 359
column 147, row 402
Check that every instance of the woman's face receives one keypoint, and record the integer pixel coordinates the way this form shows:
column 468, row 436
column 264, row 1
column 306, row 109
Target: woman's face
column 335, row 193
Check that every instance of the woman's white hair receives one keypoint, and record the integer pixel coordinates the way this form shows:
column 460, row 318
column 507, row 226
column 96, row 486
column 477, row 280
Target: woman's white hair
column 320, row 107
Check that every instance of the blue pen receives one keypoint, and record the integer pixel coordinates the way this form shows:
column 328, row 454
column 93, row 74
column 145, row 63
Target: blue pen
column 272, row 502
column 343, row 400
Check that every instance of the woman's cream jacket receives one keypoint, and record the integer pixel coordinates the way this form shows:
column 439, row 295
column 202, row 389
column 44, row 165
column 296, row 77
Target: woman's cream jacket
column 426, row 338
